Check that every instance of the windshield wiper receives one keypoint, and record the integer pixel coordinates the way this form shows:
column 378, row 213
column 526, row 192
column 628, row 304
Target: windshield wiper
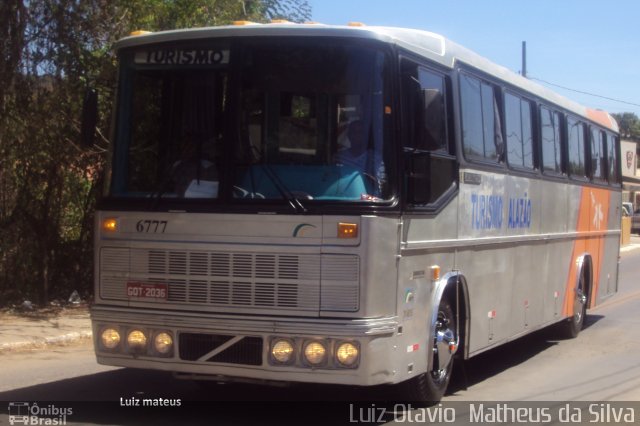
column 156, row 196
column 293, row 201
column 284, row 191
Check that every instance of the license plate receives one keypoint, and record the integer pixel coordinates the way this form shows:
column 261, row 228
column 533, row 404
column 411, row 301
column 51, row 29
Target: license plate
column 157, row 291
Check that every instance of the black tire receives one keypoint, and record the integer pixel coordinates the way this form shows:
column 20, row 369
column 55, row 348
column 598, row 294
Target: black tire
column 571, row 327
column 431, row 386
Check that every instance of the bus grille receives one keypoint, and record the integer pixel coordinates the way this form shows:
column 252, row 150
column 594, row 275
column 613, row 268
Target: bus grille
column 202, row 347
column 243, row 280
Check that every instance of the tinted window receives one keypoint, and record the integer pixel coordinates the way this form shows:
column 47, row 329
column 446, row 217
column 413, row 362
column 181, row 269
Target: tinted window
column 310, row 121
column 430, row 167
column 612, row 156
column 576, row 137
column 598, row 164
column 433, row 135
column 519, row 132
column 311, row 115
column 550, row 134
column 527, row 135
column 175, row 139
column 482, row 135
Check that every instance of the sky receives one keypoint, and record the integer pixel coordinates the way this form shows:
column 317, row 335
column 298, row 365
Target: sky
column 585, row 45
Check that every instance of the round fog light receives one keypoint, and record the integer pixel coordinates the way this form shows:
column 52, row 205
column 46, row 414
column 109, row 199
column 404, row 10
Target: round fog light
column 137, row 340
column 282, row 351
column 163, row 343
column 347, row 354
column 315, row 353
column 110, row 338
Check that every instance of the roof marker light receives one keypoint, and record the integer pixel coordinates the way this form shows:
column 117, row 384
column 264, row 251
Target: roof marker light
column 356, row 24
column 139, row 33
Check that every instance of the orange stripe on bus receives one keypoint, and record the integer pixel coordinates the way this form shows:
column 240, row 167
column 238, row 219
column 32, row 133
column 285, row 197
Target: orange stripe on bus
column 603, row 118
column 593, row 216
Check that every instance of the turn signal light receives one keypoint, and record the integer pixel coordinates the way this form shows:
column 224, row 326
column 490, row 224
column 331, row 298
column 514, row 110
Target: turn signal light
column 347, row 230
column 110, row 224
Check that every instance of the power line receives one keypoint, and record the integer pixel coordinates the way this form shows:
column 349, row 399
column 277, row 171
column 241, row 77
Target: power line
column 583, row 92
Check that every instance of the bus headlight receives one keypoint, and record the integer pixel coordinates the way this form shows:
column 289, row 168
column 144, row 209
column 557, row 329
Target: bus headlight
column 137, row 341
column 282, row 351
column 163, row 343
column 315, row 353
column 110, row 338
column 347, row 354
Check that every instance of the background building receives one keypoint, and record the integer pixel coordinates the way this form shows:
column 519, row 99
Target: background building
column 630, row 173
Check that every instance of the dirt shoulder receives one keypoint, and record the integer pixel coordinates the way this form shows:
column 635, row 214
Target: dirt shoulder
column 28, row 329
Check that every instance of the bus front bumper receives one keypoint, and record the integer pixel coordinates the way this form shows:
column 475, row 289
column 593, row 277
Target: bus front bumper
column 241, row 348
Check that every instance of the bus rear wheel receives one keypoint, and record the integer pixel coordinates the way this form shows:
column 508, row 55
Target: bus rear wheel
column 432, row 385
column 572, row 326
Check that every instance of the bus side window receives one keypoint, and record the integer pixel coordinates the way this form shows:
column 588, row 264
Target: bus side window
column 598, row 165
column 612, row 159
column 430, row 165
column 551, row 141
column 481, row 126
column 577, row 152
column 432, row 132
column 519, row 129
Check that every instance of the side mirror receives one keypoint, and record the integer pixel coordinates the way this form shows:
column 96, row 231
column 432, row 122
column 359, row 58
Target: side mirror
column 89, row 118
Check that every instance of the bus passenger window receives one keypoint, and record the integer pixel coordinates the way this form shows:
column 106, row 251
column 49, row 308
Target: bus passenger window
column 612, row 159
column 598, row 165
column 519, row 132
column 551, row 144
column 481, row 128
column 576, row 134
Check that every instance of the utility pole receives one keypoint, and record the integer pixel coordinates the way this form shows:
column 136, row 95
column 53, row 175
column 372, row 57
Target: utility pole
column 524, row 59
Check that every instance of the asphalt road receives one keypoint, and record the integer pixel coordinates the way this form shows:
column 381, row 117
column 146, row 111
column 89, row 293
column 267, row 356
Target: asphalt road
column 602, row 364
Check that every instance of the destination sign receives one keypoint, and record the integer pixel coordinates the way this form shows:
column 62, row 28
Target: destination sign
column 182, row 57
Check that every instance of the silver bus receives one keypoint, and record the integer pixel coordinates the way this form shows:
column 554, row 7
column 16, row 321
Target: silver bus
column 343, row 205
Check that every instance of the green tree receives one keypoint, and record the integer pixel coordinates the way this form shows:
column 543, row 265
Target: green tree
column 629, row 125
column 50, row 52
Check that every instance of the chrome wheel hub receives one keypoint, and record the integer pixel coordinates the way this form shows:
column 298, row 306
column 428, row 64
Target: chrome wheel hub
column 578, row 305
column 444, row 348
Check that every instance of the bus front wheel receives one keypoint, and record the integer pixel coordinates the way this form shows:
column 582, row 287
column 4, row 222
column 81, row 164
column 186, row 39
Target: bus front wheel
column 431, row 385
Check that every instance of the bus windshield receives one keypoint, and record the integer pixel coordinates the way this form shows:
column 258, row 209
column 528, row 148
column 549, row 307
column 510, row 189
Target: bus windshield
column 254, row 121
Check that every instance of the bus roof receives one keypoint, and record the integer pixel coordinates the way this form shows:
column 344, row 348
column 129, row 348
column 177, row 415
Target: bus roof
column 429, row 45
